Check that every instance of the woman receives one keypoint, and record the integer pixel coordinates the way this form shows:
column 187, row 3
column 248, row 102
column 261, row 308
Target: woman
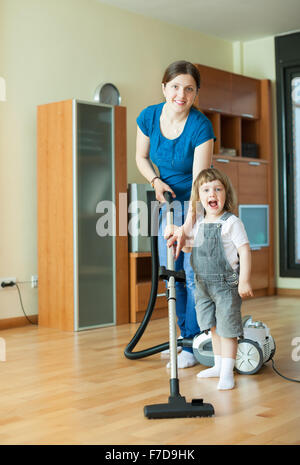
column 178, row 139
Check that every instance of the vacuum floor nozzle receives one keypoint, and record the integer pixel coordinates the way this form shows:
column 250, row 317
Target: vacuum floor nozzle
column 177, row 407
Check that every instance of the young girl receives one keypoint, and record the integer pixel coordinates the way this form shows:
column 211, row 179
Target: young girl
column 221, row 262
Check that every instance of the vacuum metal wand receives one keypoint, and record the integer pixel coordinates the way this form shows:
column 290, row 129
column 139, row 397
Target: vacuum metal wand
column 172, row 307
column 177, row 406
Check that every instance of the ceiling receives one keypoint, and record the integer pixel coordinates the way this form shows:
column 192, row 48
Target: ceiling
column 233, row 20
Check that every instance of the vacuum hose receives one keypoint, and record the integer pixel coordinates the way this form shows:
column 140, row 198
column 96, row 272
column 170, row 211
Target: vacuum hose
column 128, row 352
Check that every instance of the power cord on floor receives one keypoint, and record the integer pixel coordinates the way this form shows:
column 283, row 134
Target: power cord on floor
column 285, row 377
column 11, row 284
column 27, row 318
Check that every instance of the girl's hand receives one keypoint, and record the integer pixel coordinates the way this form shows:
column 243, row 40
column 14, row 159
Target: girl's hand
column 176, row 238
column 160, row 187
column 170, row 230
column 245, row 289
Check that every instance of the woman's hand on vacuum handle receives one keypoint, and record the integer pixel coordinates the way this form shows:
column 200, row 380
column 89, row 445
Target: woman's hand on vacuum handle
column 160, row 187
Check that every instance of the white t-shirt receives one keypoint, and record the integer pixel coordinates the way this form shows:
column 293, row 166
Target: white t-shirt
column 233, row 236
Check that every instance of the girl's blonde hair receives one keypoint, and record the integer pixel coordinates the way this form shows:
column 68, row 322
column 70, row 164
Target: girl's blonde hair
column 209, row 175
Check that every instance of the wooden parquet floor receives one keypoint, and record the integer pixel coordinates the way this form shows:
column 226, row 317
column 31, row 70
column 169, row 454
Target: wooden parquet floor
column 78, row 388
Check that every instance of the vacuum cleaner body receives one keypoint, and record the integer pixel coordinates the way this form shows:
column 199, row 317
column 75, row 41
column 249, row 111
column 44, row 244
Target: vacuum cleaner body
column 255, row 348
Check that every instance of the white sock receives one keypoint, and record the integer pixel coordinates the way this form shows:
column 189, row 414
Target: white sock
column 213, row 372
column 166, row 353
column 184, row 360
column 226, row 375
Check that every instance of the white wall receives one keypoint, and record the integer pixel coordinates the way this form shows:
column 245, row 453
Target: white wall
column 52, row 50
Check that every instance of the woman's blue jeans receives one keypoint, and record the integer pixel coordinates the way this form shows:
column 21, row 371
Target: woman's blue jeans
column 185, row 301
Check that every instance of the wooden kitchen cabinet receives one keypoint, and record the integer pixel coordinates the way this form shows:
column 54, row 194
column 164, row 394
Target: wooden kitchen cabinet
column 229, row 93
column 215, row 89
column 245, row 96
column 228, row 166
column 83, row 276
column 259, row 269
column 253, row 182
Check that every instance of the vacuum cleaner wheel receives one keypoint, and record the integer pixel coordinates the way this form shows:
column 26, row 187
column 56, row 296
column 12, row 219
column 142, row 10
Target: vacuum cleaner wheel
column 249, row 358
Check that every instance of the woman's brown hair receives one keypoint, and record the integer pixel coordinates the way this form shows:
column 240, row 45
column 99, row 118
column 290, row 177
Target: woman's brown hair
column 181, row 67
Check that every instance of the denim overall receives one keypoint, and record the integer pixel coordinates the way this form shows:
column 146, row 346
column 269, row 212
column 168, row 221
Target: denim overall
column 218, row 302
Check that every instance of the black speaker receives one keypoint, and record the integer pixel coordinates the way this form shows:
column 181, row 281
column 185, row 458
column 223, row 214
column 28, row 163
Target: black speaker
column 250, row 150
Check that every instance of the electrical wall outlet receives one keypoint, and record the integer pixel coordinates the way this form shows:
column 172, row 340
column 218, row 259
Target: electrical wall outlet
column 34, row 281
column 7, row 280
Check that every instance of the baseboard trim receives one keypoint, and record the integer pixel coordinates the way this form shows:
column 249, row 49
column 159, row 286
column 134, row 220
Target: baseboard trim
column 288, row 292
column 8, row 323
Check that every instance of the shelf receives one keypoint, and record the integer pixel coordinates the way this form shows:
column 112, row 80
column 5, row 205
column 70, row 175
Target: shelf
column 232, row 131
column 230, row 136
column 139, row 254
column 240, row 159
column 89, row 270
column 140, row 288
column 90, row 157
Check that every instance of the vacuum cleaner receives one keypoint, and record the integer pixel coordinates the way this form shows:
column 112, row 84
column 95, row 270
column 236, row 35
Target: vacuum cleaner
column 255, row 348
column 177, row 406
